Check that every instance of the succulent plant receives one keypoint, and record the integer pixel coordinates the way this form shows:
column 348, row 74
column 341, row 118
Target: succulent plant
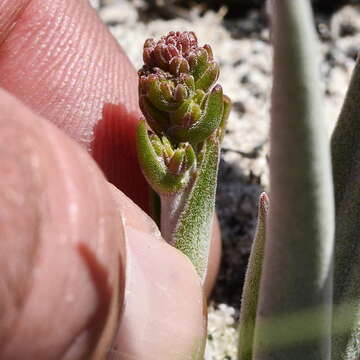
column 179, row 143
column 301, row 297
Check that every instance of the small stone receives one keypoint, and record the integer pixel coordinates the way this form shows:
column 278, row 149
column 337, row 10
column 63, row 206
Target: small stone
column 345, row 22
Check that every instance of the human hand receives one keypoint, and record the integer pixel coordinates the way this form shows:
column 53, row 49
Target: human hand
column 66, row 235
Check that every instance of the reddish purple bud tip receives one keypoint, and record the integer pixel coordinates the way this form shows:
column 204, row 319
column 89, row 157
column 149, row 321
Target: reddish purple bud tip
column 264, row 202
column 174, row 44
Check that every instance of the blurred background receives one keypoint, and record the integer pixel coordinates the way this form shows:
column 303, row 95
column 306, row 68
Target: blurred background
column 238, row 31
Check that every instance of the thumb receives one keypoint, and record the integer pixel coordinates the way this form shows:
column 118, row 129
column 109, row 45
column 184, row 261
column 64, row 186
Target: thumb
column 164, row 314
column 62, row 254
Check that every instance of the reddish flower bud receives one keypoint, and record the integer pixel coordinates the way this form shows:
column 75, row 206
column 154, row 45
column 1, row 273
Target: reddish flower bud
column 175, row 86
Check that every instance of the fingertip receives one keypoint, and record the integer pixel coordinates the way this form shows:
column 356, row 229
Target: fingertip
column 61, row 237
column 10, row 11
column 133, row 216
column 163, row 300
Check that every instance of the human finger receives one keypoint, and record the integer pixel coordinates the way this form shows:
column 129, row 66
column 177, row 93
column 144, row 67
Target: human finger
column 62, row 254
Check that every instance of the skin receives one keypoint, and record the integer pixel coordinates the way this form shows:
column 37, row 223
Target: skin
column 82, row 265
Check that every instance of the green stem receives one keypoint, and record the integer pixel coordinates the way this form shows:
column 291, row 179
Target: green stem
column 171, row 207
column 193, row 230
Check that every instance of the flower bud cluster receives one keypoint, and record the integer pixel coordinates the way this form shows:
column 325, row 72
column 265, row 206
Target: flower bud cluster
column 175, row 88
column 182, row 106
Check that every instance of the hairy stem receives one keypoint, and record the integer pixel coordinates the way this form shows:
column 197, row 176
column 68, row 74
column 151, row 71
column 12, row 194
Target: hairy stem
column 193, row 231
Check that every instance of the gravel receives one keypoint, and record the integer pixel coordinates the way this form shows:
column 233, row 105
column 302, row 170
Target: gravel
column 242, row 47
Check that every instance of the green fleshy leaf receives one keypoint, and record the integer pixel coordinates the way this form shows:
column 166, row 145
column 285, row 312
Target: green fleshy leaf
column 199, row 63
column 159, row 98
column 176, row 161
column 178, row 115
column 180, row 93
column 227, row 109
column 225, row 117
column 167, row 91
column 167, row 146
column 199, row 98
column 156, row 119
column 153, row 167
column 190, row 157
column 157, row 144
column 208, row 77
column 189, row 81
column 250, row 296
column 208, row 122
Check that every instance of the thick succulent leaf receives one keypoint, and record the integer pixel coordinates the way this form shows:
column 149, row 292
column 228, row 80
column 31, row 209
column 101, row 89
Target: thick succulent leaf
column 345, row 145
column 159, row 97
column 178, row 116
column 199, row 97
column 178, row 65
column 189, row 81
column 209, row 121
column 180, row 93
column 296, row 282
column 155, row 118
column 198, row 62
column 208, row 77
column 176, row 162
column 153, row 167
column 157, row 144
column 225, row 117
column 190, row 157
column 252, row 285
